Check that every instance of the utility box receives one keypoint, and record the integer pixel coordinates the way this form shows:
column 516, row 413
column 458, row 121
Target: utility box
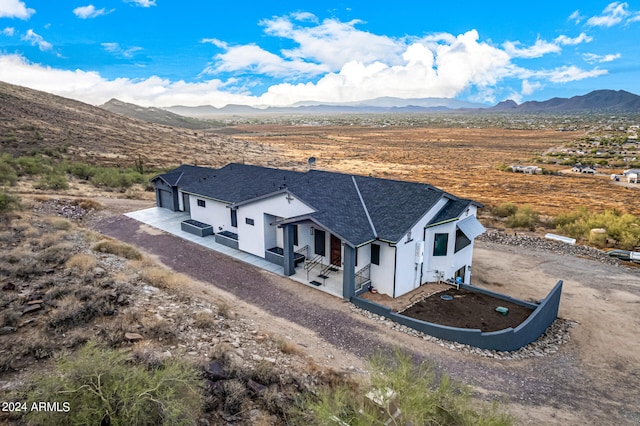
column 419, row 252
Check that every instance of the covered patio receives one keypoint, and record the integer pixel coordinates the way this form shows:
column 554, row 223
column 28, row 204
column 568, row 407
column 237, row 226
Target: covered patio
column 170, row 221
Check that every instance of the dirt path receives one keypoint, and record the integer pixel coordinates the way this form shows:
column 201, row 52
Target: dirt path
column 593, row 379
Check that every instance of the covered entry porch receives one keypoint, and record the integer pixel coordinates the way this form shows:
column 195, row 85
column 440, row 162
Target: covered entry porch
column 329, row 261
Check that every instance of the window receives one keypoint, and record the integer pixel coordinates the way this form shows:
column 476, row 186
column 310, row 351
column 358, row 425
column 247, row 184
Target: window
column 201, row 203
column 375, row 254
column 461, row 240
column 234, row 218
column 319, row 242
column 409, row 239
column 356, row 257
column 295, row 235
column 249, row 221
column 440, row 244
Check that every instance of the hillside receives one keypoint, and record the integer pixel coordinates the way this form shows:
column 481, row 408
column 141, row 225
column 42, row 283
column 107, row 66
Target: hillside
column 35, row 121
column 155, row 115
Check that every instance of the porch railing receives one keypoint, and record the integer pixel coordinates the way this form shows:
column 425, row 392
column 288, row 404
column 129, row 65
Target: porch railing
column 303, row 251
column 310, row 264
column 363, row 277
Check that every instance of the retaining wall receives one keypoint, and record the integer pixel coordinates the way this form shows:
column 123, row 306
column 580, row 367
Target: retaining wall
column 509, row 339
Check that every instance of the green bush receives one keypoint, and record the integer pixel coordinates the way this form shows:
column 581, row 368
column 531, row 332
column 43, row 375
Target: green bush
column 116, row 178
column 505, row 209
column 524, row 217
column 101, row 386
column 79, row 170
column 8, row 175
column 32, row 165
column 624, row 228
column 53, row 181
column 422, row 398
column 8, row 203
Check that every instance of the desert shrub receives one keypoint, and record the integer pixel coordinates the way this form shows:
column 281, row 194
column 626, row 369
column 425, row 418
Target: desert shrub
column 71, row 312
column 623, row 228
column 88, row 204
column 102, row 387
column 204, row 320
column 421, row 396
column 61, row 224
column 163, row 278
column 8, row 203
column 32, row 165
column 525, row 217
column 80, row 170
column 159, row 328
column 8, row 175
column 505, row 210
column 116, row 178
column 504, row 167
column 56, row 254
column 55, row 181
column 81, row 263
column 117, row 248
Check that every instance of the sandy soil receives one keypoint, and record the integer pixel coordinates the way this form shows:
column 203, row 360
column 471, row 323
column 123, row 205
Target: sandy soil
column 594, row 379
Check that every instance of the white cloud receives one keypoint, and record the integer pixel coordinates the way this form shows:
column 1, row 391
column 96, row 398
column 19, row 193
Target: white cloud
column 528, row 87
column 142, row 3
column 540, row 48
column 86, row 12
column 92, row 88
column 15, row 9
column 576, row 17
column 218, row 43
column 254, row 59
column 612, row 15
column 592, row 57
column 119, row 51
column 333, row 43
column 565, row 40
column 9, row 31
column 564, row 74
column 634, row 18
column 37, row 40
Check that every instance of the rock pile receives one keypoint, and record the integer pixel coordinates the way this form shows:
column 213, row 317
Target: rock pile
column 542, row 244
column 69, row 209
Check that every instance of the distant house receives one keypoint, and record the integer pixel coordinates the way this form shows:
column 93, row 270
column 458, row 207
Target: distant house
column 396, row 234
column 530, row 170
column 579, row 168
column 631, row 175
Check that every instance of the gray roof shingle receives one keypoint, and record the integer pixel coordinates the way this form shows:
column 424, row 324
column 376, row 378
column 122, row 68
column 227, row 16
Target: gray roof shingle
column 393, row 206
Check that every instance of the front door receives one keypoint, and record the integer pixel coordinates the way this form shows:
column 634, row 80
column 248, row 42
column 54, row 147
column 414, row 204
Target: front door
column 336, row 253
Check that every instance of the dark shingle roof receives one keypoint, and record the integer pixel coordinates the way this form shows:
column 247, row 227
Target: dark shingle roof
column 340, row 200
column 451, row 210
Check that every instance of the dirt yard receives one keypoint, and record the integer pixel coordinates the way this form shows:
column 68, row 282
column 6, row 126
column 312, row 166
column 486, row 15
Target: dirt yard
column 467, row 309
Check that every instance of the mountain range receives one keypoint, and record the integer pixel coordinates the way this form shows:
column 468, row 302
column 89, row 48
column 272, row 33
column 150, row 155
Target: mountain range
column 596, row 101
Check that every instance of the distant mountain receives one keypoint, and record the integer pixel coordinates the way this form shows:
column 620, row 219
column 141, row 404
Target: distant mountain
column 370, row 106
column 598, row 100
column 154, row 115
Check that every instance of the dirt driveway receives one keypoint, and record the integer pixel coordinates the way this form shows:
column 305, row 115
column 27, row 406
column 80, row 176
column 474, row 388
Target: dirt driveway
column 595, row 379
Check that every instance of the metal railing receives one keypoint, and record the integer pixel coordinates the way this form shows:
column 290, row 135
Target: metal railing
column 310, row 264
column 363, row 277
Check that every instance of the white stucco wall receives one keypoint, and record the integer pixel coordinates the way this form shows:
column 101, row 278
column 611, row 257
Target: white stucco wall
column 382, row 275
column 450, row 263
column 214, row 213
column 180, row 201
column 254, row 239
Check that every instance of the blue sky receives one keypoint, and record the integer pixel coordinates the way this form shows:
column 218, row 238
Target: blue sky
column 197, row 52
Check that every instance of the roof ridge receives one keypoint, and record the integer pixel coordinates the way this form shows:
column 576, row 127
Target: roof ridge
column 364, row 206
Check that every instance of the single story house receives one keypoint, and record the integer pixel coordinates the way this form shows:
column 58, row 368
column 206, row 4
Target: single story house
column 390, row 234
column 632, row 175
column 579, row 168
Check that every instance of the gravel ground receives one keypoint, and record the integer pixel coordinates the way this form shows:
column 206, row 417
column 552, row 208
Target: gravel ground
column 556, row 384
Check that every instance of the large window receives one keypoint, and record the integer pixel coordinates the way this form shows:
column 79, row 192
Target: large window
column 249, row 221
column 461, row 240
column 375, row 254
column 201, row 203
column 319, row 242
column 440, row 244
column 234, row 218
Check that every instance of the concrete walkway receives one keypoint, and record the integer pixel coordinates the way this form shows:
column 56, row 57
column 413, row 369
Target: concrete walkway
column 169, row 221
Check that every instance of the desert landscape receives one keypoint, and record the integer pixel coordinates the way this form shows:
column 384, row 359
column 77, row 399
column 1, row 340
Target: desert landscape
column 587, row 374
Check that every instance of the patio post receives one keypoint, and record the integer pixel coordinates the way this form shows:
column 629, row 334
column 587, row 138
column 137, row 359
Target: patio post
column 349, row 272
column 289, row 266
